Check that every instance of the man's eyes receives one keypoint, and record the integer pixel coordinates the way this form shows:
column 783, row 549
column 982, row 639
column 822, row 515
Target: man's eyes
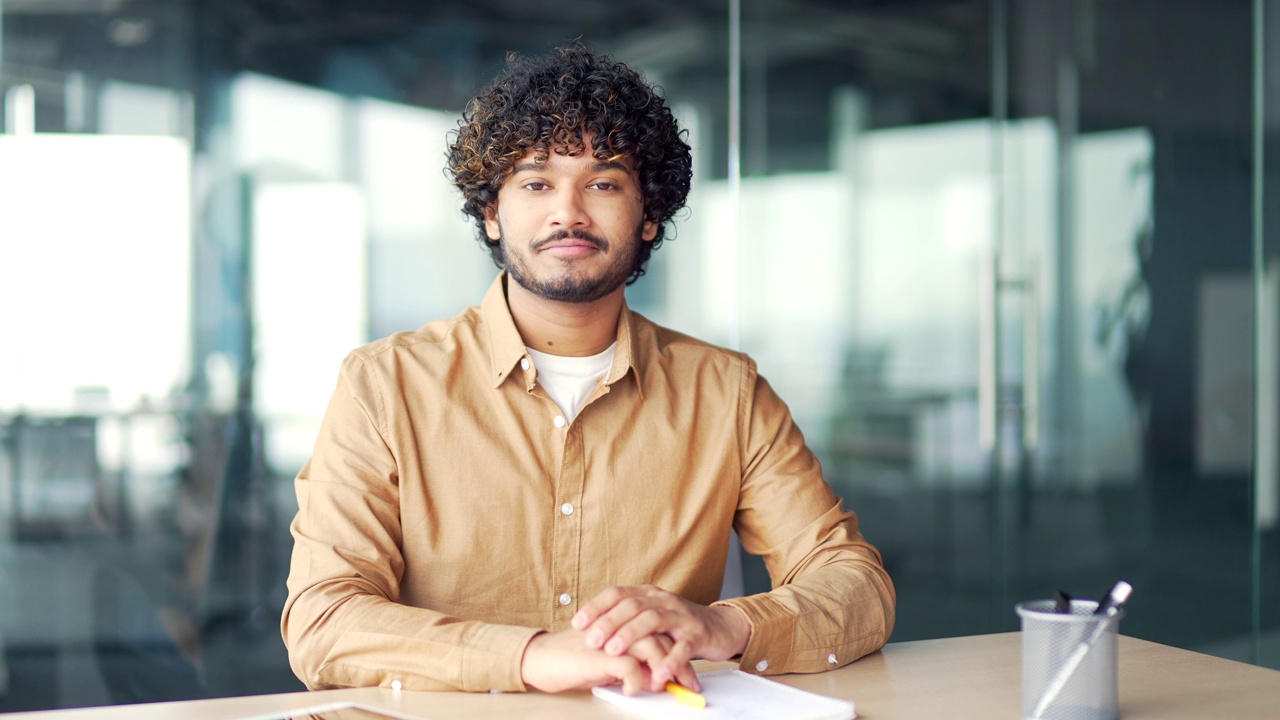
column 605, row 185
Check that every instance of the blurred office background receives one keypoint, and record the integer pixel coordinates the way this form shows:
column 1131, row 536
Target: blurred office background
column 1014, row 264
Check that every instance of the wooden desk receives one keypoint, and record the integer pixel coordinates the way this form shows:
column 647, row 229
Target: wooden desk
column 969, row 677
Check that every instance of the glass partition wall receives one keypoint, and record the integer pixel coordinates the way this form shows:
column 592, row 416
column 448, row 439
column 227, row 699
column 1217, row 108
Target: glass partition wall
column 1143, row 462
column 1012, row 264
column 1017, row 287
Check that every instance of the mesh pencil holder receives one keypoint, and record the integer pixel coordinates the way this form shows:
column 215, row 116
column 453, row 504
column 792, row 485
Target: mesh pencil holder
column 1060, row 686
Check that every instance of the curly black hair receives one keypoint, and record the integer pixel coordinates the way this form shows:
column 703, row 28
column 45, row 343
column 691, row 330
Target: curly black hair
column 549, row 103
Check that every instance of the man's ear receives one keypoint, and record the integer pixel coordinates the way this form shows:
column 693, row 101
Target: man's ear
column 648, row 231
column 491, row 221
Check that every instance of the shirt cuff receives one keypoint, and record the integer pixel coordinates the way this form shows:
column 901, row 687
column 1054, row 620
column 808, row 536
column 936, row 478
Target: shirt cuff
column 768, row 650
column 492, row 658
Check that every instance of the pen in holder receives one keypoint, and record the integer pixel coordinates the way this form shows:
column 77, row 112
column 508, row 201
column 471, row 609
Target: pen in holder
column 1069, row 659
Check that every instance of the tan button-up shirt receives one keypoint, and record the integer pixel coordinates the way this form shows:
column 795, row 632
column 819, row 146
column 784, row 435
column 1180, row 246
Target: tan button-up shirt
column 448, row 513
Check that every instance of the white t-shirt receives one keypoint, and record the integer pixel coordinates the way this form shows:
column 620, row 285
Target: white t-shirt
column 570, row 380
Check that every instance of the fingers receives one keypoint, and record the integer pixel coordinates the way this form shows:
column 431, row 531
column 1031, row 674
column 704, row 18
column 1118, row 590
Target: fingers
column 677, row 664
column 618, row 617
column 634, row 622
column 559, row 661
column 622, row 620
column 650, row 651
column 628, row 670
column 602, row 603
column 687, row 677
column 554, row 662
column 664, row 660
column 640, row 636
column 595, row 607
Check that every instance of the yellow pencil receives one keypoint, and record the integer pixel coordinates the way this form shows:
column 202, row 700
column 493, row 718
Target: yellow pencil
column 686, row 696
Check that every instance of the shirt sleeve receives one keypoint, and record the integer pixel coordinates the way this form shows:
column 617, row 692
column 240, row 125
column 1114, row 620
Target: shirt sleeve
column 343, row 623
column 832, row 600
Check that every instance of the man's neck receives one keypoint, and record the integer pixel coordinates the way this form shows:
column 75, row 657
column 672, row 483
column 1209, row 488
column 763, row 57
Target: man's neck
column 560, row 328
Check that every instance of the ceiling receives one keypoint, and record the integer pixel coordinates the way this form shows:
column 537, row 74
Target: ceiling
column 919, row 60
column 412, row 44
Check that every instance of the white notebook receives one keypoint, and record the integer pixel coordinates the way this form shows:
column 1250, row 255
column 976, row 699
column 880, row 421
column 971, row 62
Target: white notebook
column 737, row 695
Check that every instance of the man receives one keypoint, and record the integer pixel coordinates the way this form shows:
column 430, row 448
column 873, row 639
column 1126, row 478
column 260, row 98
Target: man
column 539, row 492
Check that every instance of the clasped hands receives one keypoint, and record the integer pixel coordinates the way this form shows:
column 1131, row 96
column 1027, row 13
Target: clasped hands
column 638, row 636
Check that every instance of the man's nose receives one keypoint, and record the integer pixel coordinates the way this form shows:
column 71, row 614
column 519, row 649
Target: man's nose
column 569, row 211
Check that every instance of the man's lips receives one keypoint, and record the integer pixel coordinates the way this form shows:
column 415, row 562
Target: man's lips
column 569, row 249
column 570, row 245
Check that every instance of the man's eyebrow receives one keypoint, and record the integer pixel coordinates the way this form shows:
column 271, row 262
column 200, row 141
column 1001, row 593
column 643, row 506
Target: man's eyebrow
column 598, row 167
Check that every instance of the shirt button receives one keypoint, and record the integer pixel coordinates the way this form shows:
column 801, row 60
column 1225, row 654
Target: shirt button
column 831, row 658
column 565, row 599
column 558, row 421
column 396, row 685
column 524, row 363
column 567, row 509
column 762, row 666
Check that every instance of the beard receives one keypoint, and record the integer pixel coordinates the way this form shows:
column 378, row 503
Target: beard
column 573, row 285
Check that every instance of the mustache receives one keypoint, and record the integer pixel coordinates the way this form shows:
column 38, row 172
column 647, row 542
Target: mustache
column 595, row 240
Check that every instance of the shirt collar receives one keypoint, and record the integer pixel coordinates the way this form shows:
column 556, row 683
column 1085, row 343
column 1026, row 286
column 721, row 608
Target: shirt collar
column 506, row 347
column 624, row 356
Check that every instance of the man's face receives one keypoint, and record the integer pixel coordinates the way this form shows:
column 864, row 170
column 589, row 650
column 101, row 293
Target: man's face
column 570, row 228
